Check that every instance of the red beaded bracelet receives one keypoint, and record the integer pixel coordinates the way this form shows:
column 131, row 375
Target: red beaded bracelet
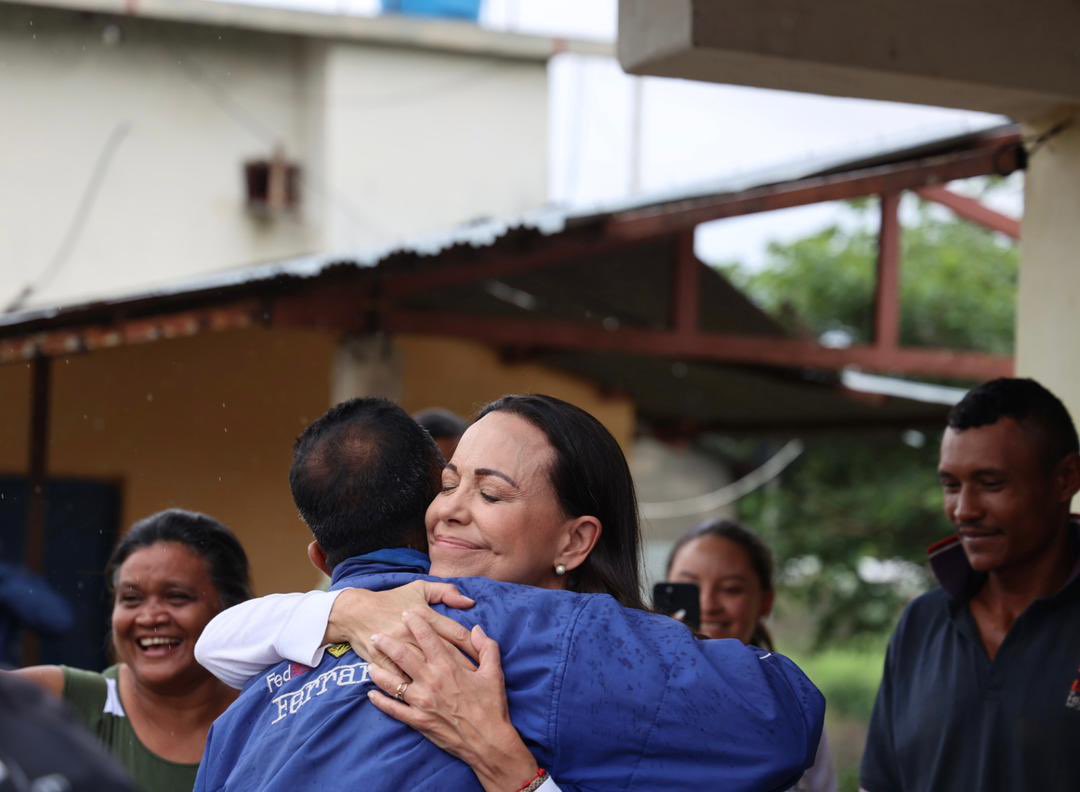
column 535, row 782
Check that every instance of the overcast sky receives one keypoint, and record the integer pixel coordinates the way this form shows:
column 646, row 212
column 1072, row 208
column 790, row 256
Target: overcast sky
column 691, row 133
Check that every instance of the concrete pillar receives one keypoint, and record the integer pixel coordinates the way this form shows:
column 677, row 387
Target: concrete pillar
column 1048, row 303
column 366, row 366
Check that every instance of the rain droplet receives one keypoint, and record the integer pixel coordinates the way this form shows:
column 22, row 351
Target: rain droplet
column 111, row 35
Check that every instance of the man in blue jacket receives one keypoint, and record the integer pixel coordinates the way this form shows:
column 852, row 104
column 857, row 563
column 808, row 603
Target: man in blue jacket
column 604, row 696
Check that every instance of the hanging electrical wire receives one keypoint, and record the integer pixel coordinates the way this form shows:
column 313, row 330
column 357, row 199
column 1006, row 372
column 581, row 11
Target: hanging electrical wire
column 78, row 221
column 235, row 109
column 728, row 494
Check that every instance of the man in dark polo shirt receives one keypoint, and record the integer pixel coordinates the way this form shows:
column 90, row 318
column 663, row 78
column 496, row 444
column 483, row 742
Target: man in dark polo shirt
column 981, row 689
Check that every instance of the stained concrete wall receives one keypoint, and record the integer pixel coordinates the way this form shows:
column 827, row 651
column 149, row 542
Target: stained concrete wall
column 416, row 142
column 165, row 115
column 124, row 141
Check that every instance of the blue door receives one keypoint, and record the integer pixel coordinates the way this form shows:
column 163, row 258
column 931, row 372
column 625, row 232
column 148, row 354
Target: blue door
column 81, row 522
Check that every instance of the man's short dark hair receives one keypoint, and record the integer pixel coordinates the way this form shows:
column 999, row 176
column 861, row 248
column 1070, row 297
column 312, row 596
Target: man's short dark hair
column 362, row 477
column 1026, row 402
column 441, row 423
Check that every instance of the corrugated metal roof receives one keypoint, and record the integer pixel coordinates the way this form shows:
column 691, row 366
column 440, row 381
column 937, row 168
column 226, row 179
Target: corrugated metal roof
column 487, row 233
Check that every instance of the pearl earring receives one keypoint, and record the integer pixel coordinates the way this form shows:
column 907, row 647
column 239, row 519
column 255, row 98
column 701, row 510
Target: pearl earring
column 560, row 569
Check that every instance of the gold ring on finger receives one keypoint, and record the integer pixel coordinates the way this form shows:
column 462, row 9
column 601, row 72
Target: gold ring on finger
column 400, row 695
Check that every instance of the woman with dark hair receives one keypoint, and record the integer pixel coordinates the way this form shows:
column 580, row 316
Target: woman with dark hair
column 169, row 575
column 538, row 493
column 733, row 570
column 574, row 458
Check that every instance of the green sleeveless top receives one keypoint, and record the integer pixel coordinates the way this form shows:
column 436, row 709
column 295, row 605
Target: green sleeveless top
column 95, row 698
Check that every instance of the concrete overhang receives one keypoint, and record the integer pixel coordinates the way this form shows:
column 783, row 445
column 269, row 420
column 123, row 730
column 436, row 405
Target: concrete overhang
column 998, row 56
column 392, row 30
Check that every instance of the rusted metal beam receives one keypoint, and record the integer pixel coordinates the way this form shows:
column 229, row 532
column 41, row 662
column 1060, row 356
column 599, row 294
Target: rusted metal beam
column 72, row 341
column 887, row 288
column 40, row 392
column 972, row 210
column 686, row 281
column 1002, row 158
column 38, row 473
column 716, row 348
column 338, row 308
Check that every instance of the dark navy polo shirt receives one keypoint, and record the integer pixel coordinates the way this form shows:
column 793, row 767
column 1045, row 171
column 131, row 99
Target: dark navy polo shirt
column 947, row 718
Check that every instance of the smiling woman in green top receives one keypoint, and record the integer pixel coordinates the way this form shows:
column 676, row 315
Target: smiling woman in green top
column 171, row 574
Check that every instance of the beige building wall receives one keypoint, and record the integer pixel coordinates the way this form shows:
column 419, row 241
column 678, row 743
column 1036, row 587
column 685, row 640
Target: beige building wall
column 204, row 423
column 208, row 422
column 463, row 376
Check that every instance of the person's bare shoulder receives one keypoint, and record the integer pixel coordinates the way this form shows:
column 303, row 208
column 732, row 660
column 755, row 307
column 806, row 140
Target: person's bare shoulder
column 47, row 677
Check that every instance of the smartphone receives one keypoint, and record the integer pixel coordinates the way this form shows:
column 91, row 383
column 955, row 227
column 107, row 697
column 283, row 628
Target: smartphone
column 673, row 598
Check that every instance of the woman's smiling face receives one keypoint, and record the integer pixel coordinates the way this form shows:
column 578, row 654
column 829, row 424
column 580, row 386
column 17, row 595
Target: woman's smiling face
column 732, row 597
column 164, row 599
column 497, row 515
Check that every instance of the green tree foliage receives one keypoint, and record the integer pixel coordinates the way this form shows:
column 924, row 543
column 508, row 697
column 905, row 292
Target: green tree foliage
column 958, row 282
column 873, row 496
column 849, row 499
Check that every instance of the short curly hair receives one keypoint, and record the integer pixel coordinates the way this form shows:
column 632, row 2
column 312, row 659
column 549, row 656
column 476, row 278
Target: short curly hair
column 1026, row 402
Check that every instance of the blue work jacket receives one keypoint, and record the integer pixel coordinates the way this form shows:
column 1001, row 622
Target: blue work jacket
column 605, row 697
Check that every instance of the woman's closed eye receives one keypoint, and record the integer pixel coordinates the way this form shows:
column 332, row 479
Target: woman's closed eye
column 490, row 497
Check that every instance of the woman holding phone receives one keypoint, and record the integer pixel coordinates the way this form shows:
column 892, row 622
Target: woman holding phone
column 733, row 570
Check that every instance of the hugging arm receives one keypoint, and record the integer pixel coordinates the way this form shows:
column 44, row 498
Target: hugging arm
column 243, row 640
column 461, row 708
column 679, row 712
